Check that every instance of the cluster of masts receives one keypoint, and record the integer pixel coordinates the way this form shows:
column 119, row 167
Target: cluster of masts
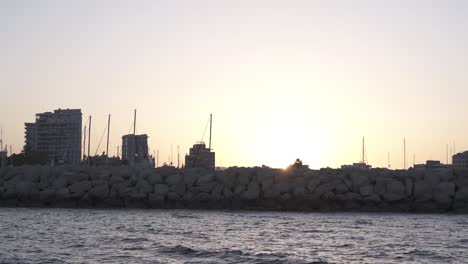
column 87, row 139
column 364, row 159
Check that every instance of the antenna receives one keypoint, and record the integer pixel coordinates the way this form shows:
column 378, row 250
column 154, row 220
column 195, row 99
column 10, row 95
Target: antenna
column 363, row 143
column 414, row 159
column 157, row 158
column 211, row 121
column 404, row 153
column 446, row 158
column 170, row 157
column 89, row 138
column 1, row 137
column 84, row 141
column 134, row 123
column 178, row 157
column 388, row 160
column 118, row 154
column 108, row 131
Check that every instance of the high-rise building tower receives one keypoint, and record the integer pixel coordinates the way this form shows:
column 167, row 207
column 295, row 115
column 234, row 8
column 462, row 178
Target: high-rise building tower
column 57, row 135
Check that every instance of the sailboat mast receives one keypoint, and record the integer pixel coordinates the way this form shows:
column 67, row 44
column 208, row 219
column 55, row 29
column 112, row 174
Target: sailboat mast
column 108, row 131
column 404, row 153
column 89, row 138
column 211, row 121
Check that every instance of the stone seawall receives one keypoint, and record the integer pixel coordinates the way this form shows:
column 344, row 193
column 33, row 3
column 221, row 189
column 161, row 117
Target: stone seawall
column 376, row 190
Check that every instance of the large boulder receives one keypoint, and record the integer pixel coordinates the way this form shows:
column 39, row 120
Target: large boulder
column 161, row 189
column 78, row 189
column 154, row 178
column 252, row 192
column 208, row 178
column 444, row 192
column 366, row 190
column 422, row 191
column 99, row 192
column 174, row 179
column 462, row 194
column 143, row 186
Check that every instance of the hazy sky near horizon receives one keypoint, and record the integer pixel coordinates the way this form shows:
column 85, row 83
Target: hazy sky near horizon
column 283, row 79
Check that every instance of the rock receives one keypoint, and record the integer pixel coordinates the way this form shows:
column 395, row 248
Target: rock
column 396, row 187
column 161, row 189
column 174, row 179
column 62, row 194
column 227, row 193
column 322, row 189
column 282, row 186
column 358, row 180
column 312, row 184
column 47, row 195
column 422, row 191
column 299, row 191
column 252, row 192
column 74, row 177
column 462, row 194
column 209, row 178
column 225, row 179
column 205, row 187
column 78, row 189
column 444, row 192
column 393, row 197
column 155, row 198
column 154, row 178
column 341, row 188
column 366, row 190
column 239, row 189
column 373, row 198
column 216, row 193
column 172, row 196
column 99, row 192
column 432, row 177
column 179, row 188
column 115, row 180
column 144, row 187
column 243, row 177
column 202, row 197
column 408, row 187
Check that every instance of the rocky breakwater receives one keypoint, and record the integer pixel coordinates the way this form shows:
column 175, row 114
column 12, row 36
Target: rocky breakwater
column 376, row 190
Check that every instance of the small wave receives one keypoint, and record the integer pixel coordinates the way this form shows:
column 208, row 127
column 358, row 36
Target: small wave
column 184, row 216
column 363, row 222
column 134, row 240
column 133, row 248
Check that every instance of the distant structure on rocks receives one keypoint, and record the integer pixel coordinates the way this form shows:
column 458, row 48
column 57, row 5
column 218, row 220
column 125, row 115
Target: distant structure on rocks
column 460, row 160
column 432, row 164
column 135, row 150
column 200, row 157
column 56, row 135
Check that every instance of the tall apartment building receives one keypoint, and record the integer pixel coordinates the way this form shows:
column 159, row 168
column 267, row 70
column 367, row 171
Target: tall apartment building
column 200, row 157
column 135, row 150
column 57, row 135
column 460, row 160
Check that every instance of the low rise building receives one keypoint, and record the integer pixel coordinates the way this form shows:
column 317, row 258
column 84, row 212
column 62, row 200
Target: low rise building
column 200, row 156
column 460, row 160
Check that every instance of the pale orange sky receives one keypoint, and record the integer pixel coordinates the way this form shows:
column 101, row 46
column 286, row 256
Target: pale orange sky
column 283, row 79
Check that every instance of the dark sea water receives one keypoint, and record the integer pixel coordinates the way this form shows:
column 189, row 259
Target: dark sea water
column 179, row 236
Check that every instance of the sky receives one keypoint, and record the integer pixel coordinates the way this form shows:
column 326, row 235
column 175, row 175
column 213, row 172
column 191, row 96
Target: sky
column 283, row 79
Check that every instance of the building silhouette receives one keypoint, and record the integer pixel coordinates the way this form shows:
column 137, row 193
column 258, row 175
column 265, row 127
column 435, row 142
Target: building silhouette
column 460, row 160
column 200, row 157
column 135, row 150
column 56, row 135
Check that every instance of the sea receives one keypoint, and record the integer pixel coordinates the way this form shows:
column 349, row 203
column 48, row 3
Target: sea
column 32, row 235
